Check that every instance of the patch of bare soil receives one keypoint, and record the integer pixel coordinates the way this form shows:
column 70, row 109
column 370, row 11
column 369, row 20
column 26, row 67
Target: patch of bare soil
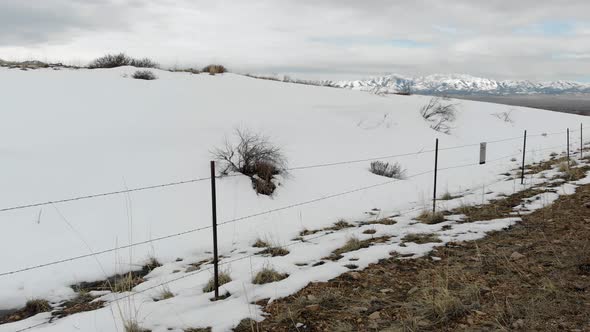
column 534, row 276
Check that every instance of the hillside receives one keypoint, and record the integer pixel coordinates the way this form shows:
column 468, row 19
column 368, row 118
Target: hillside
column 69, row 133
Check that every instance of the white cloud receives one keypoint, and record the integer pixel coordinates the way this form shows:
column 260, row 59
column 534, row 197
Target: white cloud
column 353, row 38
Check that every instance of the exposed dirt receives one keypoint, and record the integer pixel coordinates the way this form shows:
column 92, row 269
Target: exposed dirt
column 534, row 276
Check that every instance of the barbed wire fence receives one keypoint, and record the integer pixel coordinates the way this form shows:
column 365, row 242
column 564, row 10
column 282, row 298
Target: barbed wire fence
column 214, row 177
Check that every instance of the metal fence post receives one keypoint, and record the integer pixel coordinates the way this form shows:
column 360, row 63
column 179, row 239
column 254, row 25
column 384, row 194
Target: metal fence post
column 568, row 147
column 214, row 219
column 435, row 174
column 581, row 141
column 523, row 158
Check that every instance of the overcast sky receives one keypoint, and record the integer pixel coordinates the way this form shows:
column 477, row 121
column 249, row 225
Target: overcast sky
column 528, row 39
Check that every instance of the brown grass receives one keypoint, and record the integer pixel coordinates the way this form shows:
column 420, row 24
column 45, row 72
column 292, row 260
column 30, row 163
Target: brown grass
column 260, row 244
column 339, row 225
column 430, row 218
column 274, row 251
column 476, row 286
column 421, row 238
column 133, row 326
column 268, row 275
column 353, row 244
column 32, row 307
column 382, row 221
column 224, row 278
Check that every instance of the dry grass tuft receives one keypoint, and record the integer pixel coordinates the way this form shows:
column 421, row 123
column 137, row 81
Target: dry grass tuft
column 133, row 326
column 268, row 275
column 354, row 244
column 126, row 283
column 260, row 244
column 306, row 232
column 340, row 224
column 224, row 278
column 166, row 293
column 274, row 251
column 383, row 221
column 447, row 196
column 421, row 238
column 430, row 218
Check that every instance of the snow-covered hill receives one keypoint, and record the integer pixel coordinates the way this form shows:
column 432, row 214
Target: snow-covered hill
column 460, row 84
column 65, row 133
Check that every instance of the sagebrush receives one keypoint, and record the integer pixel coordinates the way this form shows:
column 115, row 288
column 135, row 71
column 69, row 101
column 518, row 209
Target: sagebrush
column 253, row 155
column 119, row 60
column 439, row 114
column 144, row 75
column 390, row 170
column 214, row 69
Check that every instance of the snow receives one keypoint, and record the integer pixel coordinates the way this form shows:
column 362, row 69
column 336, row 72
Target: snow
column 65, row 133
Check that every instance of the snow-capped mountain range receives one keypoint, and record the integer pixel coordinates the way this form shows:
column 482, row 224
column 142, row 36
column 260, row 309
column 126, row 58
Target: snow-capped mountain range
column 460, row 84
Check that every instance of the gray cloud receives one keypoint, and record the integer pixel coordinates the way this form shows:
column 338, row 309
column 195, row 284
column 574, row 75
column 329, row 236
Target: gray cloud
column 29, row 22
column 495, row 38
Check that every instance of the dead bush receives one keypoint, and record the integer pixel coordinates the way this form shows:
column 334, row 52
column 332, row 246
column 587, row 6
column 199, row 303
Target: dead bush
column 119, row 60
column 504, row 116
column 214, row 69
column 253, row 155
column 144, row 75
column 394, row 170
column 405, row 89
column 440, row 115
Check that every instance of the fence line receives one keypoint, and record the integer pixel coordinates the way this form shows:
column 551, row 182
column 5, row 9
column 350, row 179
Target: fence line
column 239, row 218
column 170, row 184
column 65, row 260
column 60, row 261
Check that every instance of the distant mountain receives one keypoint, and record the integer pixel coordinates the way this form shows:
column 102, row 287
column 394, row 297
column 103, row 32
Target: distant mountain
column 459, row 84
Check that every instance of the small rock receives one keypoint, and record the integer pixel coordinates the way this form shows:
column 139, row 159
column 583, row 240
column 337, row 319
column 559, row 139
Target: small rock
column 516, row 256
column 375, row 315
column 386, row 290
column 313, row 307
column 298, row 325
column 311, row 298
column 480, row 313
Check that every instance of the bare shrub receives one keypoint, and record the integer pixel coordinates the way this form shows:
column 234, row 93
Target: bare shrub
column 504, row 116
column 394, row 170
column 405, row 89
column 214, row 69
column 144, row 75
column 119, row 60
column 255, row 156
column 440, row 115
